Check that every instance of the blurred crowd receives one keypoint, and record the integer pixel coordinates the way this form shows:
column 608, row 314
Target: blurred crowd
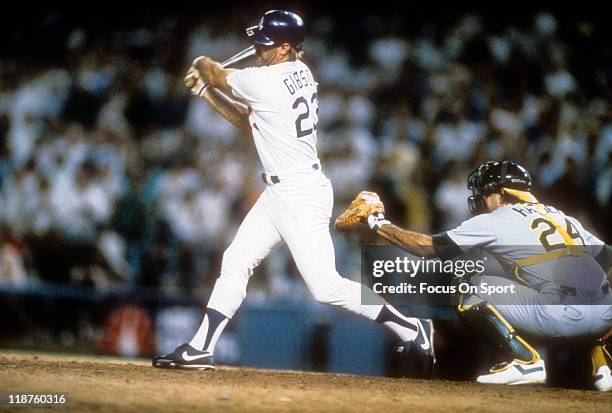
column 113, row 176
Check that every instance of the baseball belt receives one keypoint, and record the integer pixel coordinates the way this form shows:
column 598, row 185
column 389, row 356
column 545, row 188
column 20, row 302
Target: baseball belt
column 276, row 179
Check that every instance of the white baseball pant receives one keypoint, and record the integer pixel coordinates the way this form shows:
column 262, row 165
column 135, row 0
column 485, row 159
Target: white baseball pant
column 297, row 211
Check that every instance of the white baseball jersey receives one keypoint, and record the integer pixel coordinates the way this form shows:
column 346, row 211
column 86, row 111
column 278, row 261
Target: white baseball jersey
column 518, row 233
column 297, row 208
column 283, row 106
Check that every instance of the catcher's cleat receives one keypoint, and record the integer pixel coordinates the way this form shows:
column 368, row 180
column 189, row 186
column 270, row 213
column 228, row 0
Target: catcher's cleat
column 420, row 353
column 185, row 357
column 603, row 379
column 515, row 372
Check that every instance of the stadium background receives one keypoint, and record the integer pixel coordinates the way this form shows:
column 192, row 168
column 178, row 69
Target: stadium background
column 119, row 191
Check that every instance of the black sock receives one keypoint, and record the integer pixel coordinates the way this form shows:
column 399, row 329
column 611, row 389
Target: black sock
column 406, row 328
column 209, row 331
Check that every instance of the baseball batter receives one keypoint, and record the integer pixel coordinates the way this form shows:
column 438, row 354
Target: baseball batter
column 553, row 263
column 277, row 103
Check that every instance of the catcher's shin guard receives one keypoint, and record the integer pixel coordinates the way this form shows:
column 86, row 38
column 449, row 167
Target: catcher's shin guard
column 520, row 349
column 598, row 357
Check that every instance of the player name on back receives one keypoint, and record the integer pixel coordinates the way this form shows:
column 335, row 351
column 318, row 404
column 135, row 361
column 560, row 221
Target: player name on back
column 298, row 80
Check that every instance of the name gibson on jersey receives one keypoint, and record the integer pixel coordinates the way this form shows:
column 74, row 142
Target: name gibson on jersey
column 298, row 80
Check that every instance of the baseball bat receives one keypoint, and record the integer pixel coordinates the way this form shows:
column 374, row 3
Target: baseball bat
column 239, row 57
column 235, row 59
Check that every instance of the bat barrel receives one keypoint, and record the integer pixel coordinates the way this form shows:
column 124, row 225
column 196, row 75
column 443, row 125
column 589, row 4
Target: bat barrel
column 239, row 57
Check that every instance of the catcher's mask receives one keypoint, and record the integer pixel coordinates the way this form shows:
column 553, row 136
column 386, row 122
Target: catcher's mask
column 495, row 177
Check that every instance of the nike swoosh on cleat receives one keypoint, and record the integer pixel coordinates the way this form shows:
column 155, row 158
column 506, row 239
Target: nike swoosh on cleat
column 187, row 357
column 425, row 345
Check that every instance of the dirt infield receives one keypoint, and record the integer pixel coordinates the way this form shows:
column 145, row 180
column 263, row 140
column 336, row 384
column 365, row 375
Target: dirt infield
column 101, row 384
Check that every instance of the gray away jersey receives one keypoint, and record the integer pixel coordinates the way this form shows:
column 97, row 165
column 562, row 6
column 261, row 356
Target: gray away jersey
column 518, row 234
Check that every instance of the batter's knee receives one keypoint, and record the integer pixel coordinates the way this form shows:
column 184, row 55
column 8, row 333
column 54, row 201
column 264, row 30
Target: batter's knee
column 322, row 295
column 236, row 265
column 334, row 290
column 229, row 256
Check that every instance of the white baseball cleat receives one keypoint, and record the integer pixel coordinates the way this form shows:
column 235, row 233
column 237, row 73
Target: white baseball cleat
column 515, row 372
column 603, row 379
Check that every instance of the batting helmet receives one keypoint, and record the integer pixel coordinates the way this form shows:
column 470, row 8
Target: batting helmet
column 277, row 27
column 491, row 177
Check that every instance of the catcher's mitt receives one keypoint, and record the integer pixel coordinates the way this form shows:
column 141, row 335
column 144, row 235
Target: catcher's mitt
column 364, row 205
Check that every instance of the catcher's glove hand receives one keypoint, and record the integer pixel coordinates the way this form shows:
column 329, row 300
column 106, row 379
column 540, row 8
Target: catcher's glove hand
column 364, row 205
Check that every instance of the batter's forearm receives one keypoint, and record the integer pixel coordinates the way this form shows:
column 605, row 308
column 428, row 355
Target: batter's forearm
column 413, row 242
column 235, row 112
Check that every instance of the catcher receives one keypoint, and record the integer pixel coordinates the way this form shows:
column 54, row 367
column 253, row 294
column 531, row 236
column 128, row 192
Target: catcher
column 561, row 288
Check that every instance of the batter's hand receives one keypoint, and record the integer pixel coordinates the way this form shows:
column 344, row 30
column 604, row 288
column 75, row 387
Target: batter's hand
column 193, row 82
column 364, row 205
column 206, row 68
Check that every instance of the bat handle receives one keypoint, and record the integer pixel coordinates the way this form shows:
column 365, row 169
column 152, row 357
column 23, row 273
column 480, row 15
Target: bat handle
column 202, row 89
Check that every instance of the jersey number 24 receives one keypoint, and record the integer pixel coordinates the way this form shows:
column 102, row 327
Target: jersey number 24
column 550, row 230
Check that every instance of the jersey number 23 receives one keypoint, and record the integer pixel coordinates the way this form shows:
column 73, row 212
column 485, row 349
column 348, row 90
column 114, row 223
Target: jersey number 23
column 308, row 114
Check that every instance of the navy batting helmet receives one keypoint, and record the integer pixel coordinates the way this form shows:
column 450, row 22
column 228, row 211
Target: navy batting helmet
column 277, row 27
column 491, row 177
